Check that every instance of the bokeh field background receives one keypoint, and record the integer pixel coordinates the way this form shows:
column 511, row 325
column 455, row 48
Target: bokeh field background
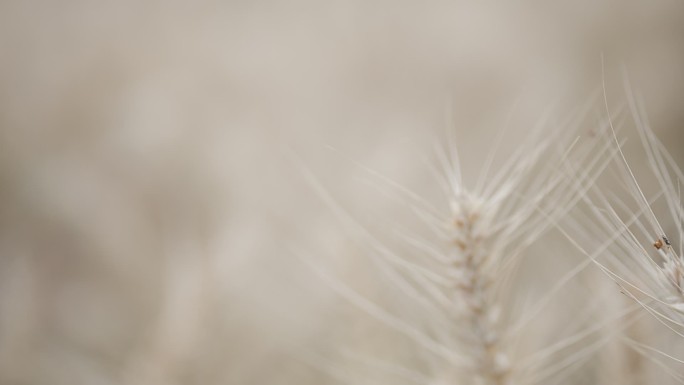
column 152, row 198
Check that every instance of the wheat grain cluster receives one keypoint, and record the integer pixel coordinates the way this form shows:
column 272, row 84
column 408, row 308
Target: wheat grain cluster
column 567, row 194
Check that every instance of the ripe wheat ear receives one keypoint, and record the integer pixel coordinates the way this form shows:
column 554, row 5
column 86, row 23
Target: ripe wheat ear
column 633, row 233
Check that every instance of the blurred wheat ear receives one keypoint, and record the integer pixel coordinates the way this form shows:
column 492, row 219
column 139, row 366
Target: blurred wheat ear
column 458, row 308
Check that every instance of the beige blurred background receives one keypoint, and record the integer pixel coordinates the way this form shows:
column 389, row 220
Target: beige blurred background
column 149, row 195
